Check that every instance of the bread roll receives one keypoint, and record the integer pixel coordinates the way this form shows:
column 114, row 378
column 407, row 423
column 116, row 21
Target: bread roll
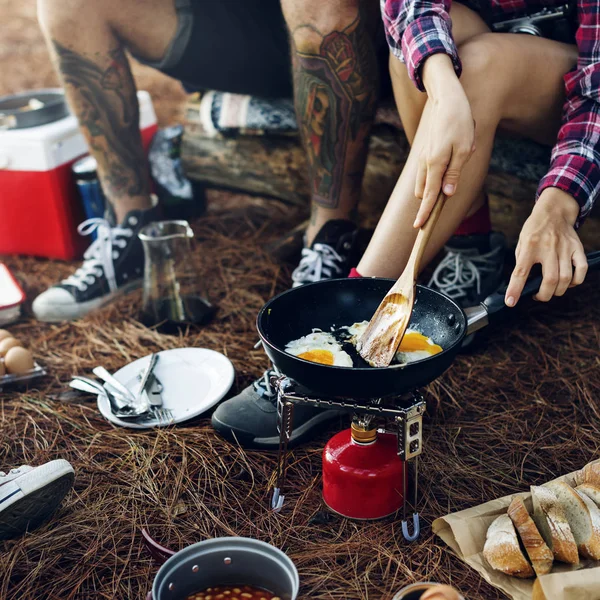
column 591, row 491
column 589, row 474
column 552, row 523
column 583, row 517
column 540, row 555
column 537, row 593
column 502, row 549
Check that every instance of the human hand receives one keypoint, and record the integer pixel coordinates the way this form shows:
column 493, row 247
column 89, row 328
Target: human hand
column 450, row 140
column 549, row 238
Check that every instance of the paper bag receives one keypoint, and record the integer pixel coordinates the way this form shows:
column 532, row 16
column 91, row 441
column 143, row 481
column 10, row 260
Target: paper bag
column 465, row 533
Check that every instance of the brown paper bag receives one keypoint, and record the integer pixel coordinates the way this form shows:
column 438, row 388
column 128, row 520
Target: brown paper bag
column 465, row 532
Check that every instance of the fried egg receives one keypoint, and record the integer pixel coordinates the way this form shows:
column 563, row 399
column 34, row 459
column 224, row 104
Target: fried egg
column 414, row 345
column 319, row 347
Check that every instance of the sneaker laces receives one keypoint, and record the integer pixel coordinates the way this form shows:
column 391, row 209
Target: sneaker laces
column 318, row 261
column 263, row 387
column 98, row 258
column 459, row 272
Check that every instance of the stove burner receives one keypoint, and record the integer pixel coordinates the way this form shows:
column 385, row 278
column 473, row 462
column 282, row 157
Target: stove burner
column 402, row 416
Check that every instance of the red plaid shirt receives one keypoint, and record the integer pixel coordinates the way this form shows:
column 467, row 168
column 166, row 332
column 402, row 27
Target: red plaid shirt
column 416, row 29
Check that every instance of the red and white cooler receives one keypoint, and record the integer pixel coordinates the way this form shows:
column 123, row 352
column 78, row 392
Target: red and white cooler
column 40, row 206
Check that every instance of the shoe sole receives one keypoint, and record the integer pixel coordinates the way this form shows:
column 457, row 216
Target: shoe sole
column 72, row 312
column 32, row 498
column 299, row 434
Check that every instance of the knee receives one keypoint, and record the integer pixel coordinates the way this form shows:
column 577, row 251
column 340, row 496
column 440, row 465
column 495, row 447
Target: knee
column 58, row 17
column 311, row 20
column 482, row 74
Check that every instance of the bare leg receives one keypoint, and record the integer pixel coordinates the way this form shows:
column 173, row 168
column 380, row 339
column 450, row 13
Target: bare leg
column 87, row 39
column 335, row 81
column 512, row 81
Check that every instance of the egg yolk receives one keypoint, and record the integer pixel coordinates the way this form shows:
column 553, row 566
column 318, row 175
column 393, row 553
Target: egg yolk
column 414, row 341
column 324, row 357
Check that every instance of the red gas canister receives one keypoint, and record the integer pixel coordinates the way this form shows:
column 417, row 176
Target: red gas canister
column 363, row 477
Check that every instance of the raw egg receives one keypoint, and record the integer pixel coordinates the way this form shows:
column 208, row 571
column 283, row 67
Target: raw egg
column 320, row 347
column 18, row 360
column 4, row 334
column 6, row 344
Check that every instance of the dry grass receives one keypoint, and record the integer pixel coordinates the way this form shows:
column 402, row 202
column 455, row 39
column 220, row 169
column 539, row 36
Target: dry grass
column 520, row 410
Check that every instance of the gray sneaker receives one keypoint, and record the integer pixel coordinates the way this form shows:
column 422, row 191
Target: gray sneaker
column 29, row 495
column 472, row 268
column 251, row 417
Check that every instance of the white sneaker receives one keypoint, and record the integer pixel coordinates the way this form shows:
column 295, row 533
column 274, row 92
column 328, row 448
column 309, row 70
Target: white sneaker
column 29, row 495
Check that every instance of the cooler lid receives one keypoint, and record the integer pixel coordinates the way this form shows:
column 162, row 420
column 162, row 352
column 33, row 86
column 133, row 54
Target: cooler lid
column 11, row 293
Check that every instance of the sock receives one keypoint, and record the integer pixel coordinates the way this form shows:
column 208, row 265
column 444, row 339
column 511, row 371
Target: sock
column 478, row 223
column 354, row 273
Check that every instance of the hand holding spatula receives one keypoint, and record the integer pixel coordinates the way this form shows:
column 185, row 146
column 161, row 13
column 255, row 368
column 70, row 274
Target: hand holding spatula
column 381, row 340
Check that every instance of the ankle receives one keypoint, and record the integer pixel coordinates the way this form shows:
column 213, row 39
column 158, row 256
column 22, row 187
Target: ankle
column 123, row 206
column 319, row 217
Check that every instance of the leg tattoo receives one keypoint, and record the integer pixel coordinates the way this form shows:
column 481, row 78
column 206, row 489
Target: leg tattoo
column 335, row 93
column 105, row 102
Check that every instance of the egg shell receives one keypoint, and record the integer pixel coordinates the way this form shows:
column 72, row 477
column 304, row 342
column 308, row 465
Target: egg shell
column 2, row 369
column 18, row 360
column 4, row 334
column 7, row 344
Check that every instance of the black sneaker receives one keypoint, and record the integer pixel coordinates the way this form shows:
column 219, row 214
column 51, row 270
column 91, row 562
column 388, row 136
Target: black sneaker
column 331, row 254
column 251, row 417
column 113, row 265
column 472, row 268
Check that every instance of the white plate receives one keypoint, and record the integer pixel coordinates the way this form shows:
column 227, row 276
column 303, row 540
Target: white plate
column 193, row 379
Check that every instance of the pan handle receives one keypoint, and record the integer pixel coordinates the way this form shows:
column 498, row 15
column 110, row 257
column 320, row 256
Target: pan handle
column 492, row 307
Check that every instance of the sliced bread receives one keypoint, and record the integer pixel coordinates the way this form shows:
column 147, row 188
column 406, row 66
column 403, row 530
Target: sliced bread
column 502, row 549
column 583, row 517
column 591, row 491
column 552, row 523
column 589, row 474
column 539, row 553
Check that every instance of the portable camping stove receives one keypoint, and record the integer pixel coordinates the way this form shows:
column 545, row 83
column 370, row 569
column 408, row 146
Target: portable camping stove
column 401, row 416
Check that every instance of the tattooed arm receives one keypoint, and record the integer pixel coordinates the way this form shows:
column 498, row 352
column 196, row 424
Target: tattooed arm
column 335, row 89
column 102, row 95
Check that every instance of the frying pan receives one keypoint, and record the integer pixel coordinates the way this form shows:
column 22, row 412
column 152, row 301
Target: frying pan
column 339, row 302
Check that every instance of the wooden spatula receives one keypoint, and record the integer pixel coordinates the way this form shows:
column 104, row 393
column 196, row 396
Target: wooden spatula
column 381, row 339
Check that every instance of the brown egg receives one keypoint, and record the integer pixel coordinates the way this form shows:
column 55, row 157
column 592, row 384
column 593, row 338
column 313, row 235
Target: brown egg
column 18, row 360
column 7, row 344
column 4, row 334
column 2, row 369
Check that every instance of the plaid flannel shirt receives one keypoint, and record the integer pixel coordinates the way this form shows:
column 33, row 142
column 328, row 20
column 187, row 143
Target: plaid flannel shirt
column 416, row 29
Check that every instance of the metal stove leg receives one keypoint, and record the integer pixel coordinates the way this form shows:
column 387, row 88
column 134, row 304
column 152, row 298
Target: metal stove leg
column 411, row 537
column 285, row 417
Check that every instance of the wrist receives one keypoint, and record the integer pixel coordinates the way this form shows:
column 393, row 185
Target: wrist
column 556, row 201
column 439, row 77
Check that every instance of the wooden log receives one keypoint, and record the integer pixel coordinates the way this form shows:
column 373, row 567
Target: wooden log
column 275, row 166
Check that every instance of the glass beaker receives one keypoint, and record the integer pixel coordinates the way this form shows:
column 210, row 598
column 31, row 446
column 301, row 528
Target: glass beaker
column 173, row 299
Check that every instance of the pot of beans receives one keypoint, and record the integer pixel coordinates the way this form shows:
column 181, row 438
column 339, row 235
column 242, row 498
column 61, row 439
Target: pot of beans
column 227, row 568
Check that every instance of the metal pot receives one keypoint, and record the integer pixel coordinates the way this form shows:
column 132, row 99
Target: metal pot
column 15, row 114
column 226, row 561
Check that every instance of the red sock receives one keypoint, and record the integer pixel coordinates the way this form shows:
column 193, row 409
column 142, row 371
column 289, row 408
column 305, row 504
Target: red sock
column 479, row 222
column 354, row 273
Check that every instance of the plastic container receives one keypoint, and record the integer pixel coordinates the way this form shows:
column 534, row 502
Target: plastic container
column 39, row 204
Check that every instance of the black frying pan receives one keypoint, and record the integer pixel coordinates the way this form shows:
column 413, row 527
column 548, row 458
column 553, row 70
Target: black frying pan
column 340, row 302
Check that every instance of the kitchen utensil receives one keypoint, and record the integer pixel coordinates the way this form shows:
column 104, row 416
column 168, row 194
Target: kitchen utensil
column 84, row 384
column 173, row 299
column 32, row 108
column 416, row 591
column 103, row 374
column 12, row 296
column 339, row 302
column 226, row 561
column 380, row 341
column 193, row 380
column 147, row 373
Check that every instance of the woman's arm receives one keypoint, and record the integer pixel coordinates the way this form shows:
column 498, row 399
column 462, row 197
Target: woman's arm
column 567, row 193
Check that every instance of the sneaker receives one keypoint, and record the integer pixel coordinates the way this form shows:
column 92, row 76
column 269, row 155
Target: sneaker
column 472, row 268
column 250, row 418
column 330, row 255
column 28, row 495
column 113, row 265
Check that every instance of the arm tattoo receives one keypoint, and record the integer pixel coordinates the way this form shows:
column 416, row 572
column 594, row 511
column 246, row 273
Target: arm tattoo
column 335, row 93
column 105, row 102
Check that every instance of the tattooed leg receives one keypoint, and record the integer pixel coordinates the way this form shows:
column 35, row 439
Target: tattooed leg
column 89, row 52
column 335, row 90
